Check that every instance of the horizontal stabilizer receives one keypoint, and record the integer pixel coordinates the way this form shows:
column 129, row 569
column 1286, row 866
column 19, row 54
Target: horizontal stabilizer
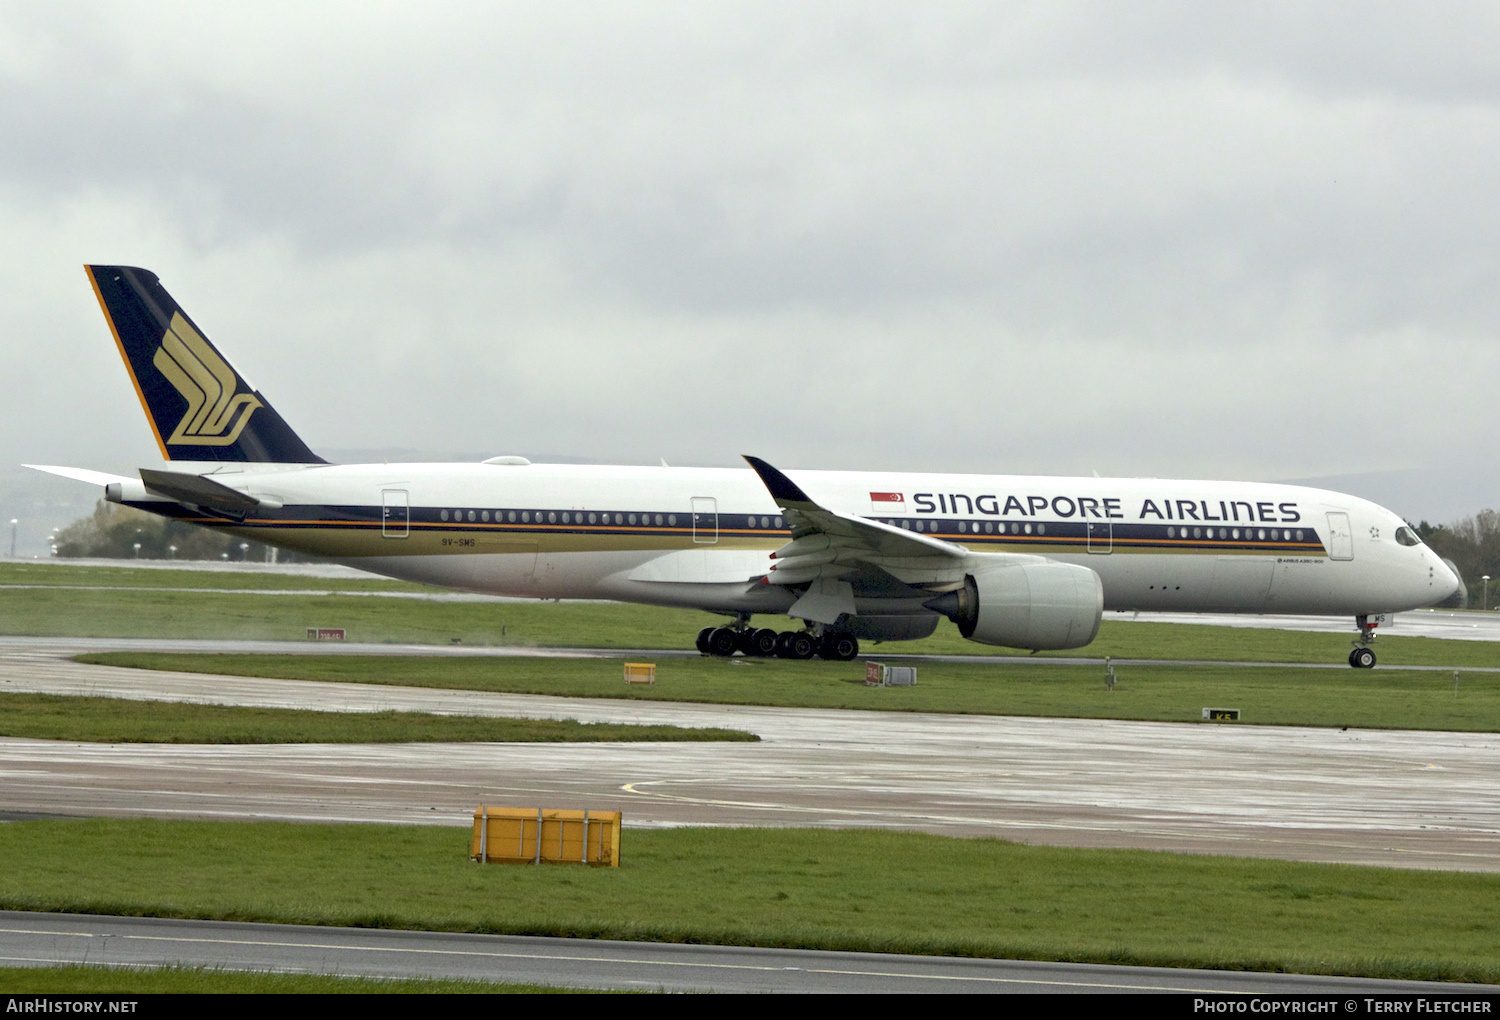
column 80, row 474
column 199, row 491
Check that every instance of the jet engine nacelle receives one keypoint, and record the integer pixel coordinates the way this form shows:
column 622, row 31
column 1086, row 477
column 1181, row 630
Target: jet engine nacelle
column 1032, row 605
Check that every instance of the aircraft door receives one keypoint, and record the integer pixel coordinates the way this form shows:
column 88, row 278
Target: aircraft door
column 1101, row 536
column 705, row 520
column 1340, row 537
column 395, row 513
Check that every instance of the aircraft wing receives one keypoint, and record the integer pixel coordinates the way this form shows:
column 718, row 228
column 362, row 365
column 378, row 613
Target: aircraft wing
column 832, row 552
column 808, row 519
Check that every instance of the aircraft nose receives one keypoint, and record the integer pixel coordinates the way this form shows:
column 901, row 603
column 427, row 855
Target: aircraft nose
column 1445, row 582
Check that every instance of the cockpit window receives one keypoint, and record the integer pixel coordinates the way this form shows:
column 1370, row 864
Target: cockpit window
column 1406, row 536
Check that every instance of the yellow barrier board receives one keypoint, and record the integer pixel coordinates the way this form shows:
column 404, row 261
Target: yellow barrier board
column 542, row 836
column 640, row 672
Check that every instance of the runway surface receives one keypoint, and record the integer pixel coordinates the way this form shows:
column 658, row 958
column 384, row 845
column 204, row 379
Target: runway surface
column 1408, row 799
column 635, row 966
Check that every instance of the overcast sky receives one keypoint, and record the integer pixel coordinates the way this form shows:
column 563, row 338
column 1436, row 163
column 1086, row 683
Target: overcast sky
column 1176, row 239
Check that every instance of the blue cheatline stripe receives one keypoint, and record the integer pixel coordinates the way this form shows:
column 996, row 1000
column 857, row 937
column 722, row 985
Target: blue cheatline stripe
column 1124, row 537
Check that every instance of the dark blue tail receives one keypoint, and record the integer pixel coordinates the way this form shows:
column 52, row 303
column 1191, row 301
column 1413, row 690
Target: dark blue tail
column 198, row 405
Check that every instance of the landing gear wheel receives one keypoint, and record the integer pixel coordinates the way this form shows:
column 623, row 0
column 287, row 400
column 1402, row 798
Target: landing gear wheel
column 703, row 634
column 723, row 641
column 840, row 647
column 1363, row 656
column 795, row 645
column 761, row 643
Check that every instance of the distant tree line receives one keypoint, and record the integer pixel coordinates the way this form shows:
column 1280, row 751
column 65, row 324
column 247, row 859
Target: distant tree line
column 122, row 533
column 1473, row 546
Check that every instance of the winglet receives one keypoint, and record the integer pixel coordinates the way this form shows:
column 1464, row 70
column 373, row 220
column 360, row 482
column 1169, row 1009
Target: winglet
column 783, row 490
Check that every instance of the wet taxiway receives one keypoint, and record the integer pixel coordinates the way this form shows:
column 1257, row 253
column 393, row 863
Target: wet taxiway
column 1409, row 799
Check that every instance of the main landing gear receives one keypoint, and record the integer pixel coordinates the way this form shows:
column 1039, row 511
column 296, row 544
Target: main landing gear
column 1363, row 656
column 765, row 643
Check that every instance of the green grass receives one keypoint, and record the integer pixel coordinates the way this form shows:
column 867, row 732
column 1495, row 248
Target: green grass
column 1386, row 698
column 853, row 890
column 118, row 720
column 215, row 981
column 72, row 612
column 61, row 573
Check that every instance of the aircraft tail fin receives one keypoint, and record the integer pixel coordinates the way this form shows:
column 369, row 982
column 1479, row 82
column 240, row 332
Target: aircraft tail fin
column 199, row 407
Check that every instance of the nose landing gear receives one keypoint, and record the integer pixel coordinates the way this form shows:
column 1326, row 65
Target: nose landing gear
column 1363, row 656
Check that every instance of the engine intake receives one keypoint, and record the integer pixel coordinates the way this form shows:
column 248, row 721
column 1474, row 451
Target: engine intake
column 1032, row 605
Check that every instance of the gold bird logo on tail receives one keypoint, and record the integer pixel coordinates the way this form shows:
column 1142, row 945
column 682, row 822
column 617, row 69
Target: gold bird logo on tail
column 216, row 413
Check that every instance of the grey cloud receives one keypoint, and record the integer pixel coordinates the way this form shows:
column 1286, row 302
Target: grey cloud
column 1156, row 238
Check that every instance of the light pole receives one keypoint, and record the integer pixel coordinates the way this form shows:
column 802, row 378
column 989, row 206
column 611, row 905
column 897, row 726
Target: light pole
column 13, row 523
column 1486, row 580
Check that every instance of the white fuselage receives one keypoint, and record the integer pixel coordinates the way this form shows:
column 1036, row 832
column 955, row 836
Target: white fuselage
column 702, row 538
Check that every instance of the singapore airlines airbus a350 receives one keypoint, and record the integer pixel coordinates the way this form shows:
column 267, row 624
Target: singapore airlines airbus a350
column 1022, row 562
